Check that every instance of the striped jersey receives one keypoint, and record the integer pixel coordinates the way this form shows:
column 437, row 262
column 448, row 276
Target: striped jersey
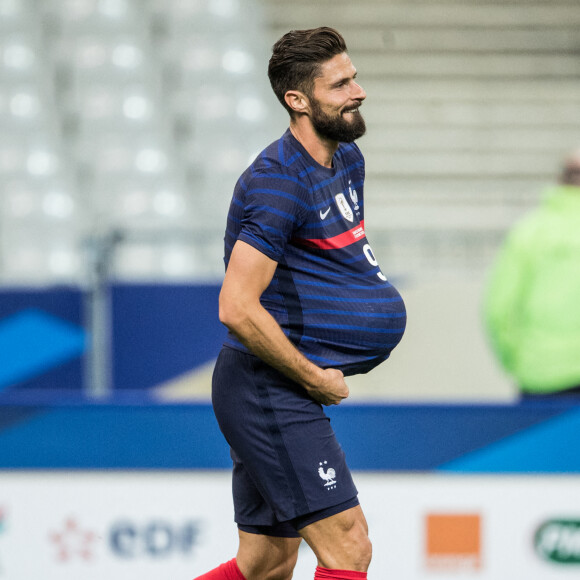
column 328, row 293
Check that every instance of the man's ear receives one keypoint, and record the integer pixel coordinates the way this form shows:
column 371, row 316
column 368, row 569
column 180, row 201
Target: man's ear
column 297, row 101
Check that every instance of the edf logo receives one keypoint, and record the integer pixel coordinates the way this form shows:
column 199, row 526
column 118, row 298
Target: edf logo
column 156, row 539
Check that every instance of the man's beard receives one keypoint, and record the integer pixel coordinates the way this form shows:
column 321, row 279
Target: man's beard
column 337, row 128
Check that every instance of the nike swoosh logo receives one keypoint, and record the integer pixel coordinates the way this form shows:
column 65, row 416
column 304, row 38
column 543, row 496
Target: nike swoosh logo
column 323, row 215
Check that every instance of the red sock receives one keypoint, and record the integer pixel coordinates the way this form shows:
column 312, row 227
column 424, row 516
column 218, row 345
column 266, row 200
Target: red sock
column 227, row 571
column 328, row 574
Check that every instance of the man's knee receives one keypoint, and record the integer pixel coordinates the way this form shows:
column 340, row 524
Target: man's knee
column 365, row 553
column 356, row 542
column 341, row 541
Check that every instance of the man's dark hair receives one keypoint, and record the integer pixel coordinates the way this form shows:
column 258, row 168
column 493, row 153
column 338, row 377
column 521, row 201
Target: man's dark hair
column 297, row 58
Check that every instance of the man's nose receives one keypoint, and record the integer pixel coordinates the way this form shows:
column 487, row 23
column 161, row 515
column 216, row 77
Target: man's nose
column 359, row 93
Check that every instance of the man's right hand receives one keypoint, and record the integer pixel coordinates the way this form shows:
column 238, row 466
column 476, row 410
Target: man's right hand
column 330, row 389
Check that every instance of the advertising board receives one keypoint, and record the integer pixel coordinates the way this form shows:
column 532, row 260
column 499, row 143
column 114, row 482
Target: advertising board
column 150, row 525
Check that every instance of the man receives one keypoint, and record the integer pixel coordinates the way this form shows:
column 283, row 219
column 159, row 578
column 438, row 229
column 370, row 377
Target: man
column 533, row 300
column 305, row 304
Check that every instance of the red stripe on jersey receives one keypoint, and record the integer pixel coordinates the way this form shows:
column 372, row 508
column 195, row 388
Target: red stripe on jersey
column 341, row 241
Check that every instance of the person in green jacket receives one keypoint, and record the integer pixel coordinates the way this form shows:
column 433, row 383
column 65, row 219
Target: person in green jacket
column 532, row 302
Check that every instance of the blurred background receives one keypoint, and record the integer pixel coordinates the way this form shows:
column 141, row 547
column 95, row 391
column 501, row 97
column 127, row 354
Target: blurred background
column 124, row 125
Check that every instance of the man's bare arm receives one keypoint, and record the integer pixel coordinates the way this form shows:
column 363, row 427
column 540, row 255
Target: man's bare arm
column 248, row 274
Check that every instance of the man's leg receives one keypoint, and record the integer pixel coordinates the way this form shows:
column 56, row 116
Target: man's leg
column 340, row 542
column 259, row 557
column 266, row 557
column 227, row 571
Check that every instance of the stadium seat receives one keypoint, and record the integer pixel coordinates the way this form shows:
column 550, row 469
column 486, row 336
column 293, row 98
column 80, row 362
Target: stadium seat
column 26, row 109
column 18, row 16
column 135, row 202
column 150, row 260
column 20, row 58
column 32, row 258
column 101, row 17
column 133, row 101
column 99, row 109
column 42, row 226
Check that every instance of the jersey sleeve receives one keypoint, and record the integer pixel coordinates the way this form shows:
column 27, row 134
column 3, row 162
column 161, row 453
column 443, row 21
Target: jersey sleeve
column 276, row 205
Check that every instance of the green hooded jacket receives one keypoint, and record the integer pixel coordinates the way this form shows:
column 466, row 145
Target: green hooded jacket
column 532, row 302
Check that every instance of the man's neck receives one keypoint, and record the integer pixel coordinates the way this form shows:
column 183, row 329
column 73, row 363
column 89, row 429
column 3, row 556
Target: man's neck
column 320, row 149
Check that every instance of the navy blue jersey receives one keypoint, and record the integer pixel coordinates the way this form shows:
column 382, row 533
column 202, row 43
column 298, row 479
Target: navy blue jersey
column 328, row 293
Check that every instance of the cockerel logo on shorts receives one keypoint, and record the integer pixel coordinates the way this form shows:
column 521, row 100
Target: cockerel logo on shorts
column 328, row 476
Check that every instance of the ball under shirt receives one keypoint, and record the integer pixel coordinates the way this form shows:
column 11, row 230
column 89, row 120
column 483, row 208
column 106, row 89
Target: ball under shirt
column 328, row 293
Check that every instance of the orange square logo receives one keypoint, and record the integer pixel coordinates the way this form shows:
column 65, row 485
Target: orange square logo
column 453, row 541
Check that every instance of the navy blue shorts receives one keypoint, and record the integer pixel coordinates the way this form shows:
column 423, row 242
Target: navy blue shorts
column 289, row 470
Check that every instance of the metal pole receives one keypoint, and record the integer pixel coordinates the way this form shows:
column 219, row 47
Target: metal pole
column 98, row 316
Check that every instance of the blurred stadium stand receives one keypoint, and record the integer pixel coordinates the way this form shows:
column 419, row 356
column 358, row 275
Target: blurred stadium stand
column 129, row 120
column 125, row 120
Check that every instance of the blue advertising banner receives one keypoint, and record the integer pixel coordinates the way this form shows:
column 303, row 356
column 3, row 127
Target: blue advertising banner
column 162, row 332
